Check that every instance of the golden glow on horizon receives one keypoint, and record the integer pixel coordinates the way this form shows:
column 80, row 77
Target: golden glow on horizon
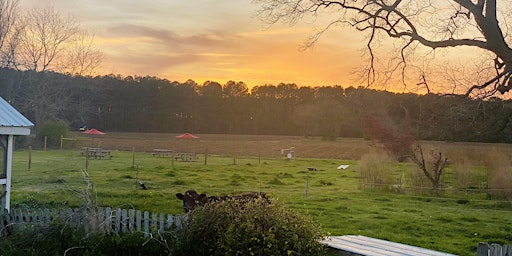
column 179, row 41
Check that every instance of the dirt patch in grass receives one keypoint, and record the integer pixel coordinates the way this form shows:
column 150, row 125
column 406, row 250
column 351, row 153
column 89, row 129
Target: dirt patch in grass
column 241, row 145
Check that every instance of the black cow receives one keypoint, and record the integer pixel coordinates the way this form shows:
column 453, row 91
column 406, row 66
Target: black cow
column 191, row 198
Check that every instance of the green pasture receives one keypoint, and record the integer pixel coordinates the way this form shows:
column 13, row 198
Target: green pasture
column 453, row 224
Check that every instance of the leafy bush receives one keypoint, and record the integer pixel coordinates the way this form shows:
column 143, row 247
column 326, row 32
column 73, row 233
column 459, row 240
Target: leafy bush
column 232, row 227
column 52, row 130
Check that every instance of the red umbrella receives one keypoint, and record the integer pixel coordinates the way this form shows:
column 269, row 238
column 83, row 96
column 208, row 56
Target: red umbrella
column 187, row 136
column 94, row 132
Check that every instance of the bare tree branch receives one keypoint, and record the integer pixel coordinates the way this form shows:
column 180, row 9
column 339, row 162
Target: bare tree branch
column 443, row 24
column 8, row 30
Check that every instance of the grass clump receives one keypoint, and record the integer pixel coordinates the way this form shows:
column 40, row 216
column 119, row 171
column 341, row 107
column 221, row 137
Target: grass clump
column 373, row 174
column 275, row 181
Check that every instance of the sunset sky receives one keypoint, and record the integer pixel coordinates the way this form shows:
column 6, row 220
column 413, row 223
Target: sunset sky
column 218, row 40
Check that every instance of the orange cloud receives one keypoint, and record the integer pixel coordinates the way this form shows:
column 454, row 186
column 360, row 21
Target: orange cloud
column 220, row 41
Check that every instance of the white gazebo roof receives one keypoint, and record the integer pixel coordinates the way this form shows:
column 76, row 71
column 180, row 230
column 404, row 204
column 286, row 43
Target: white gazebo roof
column 11, row 121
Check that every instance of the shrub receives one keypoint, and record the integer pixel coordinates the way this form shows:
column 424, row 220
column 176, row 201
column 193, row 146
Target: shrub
column 398, row 143
column 252, row 228
column 52, row 130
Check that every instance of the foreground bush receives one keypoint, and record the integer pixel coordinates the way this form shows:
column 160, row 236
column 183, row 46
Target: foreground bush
column 61, row 239
column 224, row 228
column 253, row 228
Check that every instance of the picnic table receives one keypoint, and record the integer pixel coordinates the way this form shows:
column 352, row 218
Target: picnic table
column 162, row 152
column 185, row 157
column 96, row 153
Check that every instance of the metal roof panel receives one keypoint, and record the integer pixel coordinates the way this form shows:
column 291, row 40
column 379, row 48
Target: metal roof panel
column 10, row 117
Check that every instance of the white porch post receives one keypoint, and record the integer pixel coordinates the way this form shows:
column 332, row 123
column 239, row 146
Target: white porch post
column 6, row 202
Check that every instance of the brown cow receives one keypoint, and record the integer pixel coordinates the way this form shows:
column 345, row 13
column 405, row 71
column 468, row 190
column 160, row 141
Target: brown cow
column 191, row 198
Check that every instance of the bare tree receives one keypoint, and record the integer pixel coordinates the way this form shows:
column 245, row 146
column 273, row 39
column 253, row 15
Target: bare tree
column 44, row 35
column 432, row 166
column 48, row 41
column 9, row 31
column 416, row 26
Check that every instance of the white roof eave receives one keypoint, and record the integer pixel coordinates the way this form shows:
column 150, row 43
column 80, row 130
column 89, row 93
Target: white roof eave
column 14, row 130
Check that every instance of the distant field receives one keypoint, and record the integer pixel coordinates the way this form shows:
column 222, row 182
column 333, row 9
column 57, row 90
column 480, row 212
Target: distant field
column 242, row 145
column 452, row 222
column 271, row 145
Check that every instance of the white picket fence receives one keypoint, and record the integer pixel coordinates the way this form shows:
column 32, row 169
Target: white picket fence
column 485, row 249
column 111, row 221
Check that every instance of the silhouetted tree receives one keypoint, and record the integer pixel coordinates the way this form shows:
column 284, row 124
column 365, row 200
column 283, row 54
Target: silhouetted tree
column 416, row 27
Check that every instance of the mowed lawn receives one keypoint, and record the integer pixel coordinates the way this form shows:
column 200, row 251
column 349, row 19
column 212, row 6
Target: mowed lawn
column 454, row 224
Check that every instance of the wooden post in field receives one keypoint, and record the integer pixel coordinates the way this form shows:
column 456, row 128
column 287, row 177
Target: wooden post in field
column 133, row 156
column 307, row 186
column 205, row 155
column 234, row 159
column 136, row 176
column 86, row 158
column 45, row 140
column 29, row 157
column 61, row 141
column 172, row 159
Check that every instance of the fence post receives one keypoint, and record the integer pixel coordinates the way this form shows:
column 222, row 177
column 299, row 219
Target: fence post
column 118, row 221
column 154, row 221
column 205, row 155
column 108, row 220
column 138, row 221
column 123, row 221
column 496, row 250
column 161, row 227
column 507, row 250
column 133, row 156
column 29, row 157
column 101, row 219
column 146, row 223
column 131, row 222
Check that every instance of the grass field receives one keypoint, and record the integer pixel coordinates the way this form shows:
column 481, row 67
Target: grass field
column 453, row 223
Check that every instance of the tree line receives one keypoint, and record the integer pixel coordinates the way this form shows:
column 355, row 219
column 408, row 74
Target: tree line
column 151, row 104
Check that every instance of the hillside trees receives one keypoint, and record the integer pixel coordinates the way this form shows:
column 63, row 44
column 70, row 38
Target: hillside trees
column 418, row 30
column 150, row 104
column 239, row 114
